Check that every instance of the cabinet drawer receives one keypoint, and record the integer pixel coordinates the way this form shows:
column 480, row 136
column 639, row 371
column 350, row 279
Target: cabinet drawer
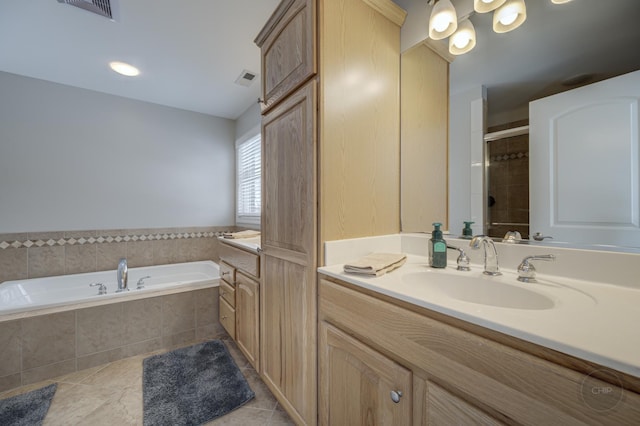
column 245, row 261
column 227, row 273
column 228, row 293
column 287, row 45
column 228, row 317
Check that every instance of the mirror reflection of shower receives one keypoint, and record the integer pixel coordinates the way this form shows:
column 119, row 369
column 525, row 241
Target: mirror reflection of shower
column 507, row 179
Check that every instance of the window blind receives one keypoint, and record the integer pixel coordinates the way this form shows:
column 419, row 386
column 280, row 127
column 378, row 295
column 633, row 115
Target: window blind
column 248, row 169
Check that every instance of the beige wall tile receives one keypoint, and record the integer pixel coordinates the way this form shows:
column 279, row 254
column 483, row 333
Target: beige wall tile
column 79, row 234
column 141, row 320
column 13, row 264
column 178, row 313
column 10, row 382
column 164, row 251
column 143, row 347
column 48, row 371
column 80, row 258
column 16, row 236
column 174, row 340
column 48, row 339
column 206, row 306
column 139, row 253
column 44, row 236
column 100, row 358
column 109, row 254
column 99, row 329
column 210, row 331
column 10, row 347
column 46, row 261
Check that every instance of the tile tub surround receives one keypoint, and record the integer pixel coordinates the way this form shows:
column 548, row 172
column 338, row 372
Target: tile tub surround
column 43, row 254
column 41, row 347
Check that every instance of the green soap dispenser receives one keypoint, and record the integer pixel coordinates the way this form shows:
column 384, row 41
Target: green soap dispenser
column 437, row 248
column 467, row 232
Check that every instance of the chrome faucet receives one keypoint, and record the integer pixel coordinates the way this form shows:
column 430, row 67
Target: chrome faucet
column 123, row 272
column 526, row 270
column 490, row 254
column 463, row 259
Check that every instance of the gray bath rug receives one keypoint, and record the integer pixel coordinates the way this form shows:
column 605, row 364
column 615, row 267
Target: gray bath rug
column 191, row 386
column 27, row 409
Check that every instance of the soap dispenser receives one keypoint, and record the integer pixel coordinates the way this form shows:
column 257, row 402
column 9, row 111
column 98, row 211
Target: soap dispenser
column 467, row 232
column 437, row 248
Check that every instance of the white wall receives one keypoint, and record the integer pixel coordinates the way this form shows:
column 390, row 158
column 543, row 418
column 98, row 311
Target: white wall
column 76, row 159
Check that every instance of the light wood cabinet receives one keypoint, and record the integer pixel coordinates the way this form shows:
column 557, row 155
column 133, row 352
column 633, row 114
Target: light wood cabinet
column 465, row 374
column 330, row 146
column 247, row 317
column 359, row 385
column 240, row 298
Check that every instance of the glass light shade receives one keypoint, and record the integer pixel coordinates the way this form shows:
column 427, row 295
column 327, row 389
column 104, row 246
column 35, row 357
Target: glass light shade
column 509, row 16
column 560, row 1
column 443, row 21
column 464, row 39
column 124, row 69
column 484, row 6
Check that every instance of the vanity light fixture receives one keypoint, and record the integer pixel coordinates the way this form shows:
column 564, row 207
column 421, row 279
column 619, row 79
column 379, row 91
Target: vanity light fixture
column 560, row 1
column 464, row 39
column 484, row 6
column 509, row 16
column 443, row 21
column 124, row 69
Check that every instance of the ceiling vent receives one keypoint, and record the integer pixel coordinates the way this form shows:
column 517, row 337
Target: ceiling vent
column 246, row 78
column 100, row 7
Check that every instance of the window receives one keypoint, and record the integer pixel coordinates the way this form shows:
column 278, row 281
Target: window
column 248, row 181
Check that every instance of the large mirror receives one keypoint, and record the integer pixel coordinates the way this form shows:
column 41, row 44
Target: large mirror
column 558, row 48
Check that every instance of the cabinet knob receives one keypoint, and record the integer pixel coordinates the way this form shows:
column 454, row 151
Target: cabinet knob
column 224, row 317
column 395, row 396
column 224, row 273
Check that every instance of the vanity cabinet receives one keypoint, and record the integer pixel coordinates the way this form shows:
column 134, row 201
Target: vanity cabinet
column 330, row 146
column 239, row 298
column 460, row 373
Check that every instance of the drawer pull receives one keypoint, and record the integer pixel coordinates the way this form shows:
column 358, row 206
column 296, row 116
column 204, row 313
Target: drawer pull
column 224, row 317
column 224, row 273
column 395, row 396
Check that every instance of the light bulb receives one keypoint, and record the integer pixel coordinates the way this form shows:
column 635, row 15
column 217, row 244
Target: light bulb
column 460, row 40
column 464, row 39
column 508, row 17
column 441, row 21
column 124, row 69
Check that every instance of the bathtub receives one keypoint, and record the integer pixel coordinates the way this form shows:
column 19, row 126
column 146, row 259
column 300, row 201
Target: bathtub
column 66, row 292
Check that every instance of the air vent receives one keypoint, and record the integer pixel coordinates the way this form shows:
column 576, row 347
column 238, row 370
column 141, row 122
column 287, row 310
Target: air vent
column 100, row 7
column 246, row 78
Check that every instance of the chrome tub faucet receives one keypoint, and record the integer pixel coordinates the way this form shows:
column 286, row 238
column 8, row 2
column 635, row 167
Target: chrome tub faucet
column 490, row 254
column 123, row 273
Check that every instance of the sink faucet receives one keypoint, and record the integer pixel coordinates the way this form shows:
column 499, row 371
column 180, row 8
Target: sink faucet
column 490, row 254
column 526, row 270
column 122, row 275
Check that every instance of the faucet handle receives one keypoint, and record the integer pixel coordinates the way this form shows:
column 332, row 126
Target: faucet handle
column 140, row 284
column 526, row 270
column 463, row 260
column 102, row 289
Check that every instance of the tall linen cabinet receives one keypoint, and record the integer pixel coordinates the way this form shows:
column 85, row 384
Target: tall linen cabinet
column 331, row 166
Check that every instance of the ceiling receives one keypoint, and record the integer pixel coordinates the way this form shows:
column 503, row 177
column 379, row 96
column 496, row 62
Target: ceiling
column 191, row 52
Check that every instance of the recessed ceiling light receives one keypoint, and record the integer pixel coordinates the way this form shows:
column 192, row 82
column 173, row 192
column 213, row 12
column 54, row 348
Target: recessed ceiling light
column 124, row 69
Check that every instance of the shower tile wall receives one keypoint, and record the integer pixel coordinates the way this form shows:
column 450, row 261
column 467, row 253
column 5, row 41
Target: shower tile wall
column 508, row 175
column 39, row 254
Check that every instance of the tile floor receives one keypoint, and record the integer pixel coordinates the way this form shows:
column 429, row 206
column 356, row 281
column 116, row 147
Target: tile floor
column 111, row 394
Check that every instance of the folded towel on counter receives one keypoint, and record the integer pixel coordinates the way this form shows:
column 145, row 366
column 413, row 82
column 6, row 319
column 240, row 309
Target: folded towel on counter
column 241, row 234
column 376, row 264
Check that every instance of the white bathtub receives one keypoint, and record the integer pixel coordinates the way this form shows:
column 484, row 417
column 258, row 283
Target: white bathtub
column 73, row 291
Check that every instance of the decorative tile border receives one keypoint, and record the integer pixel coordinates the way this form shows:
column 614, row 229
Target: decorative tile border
column 109, row 239
column 507, row 157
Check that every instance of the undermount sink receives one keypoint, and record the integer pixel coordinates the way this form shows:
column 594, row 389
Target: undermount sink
column 482, row 290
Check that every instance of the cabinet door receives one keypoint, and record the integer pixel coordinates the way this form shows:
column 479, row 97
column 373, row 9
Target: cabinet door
column 227, row 317
column 358, row 385
column 287, row 43
column 247, row 310
column 288, row 312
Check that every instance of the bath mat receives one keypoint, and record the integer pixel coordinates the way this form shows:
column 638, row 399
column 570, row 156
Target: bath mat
column 27, row 409
column 191, row 386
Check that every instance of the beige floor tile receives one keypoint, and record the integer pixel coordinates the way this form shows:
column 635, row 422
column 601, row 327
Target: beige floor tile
column 123, row 374
column 264, row 399
column 243, row 416
column 78, row 376
column 25, row 389
column 280, row 417
column 73, row 403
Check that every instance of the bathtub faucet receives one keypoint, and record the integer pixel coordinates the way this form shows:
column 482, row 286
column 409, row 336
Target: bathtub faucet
column 122, row 275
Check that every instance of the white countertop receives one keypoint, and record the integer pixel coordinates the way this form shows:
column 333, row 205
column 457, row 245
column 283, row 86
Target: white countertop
column 601, row 323
column 252, row 243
